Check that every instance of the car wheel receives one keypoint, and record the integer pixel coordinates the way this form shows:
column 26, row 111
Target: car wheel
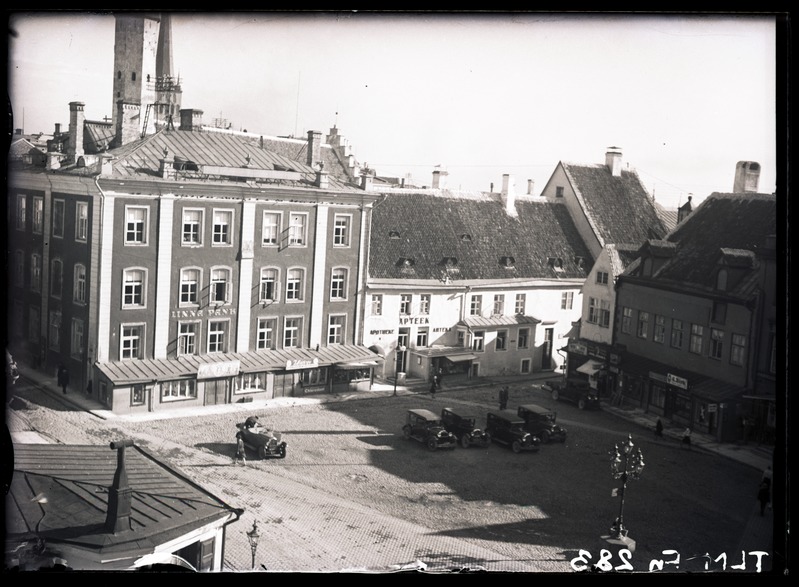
column 406, row 431
column 281, row 452
column 262, row 452
column 555, row 394
column 581, row 404
column 545, row 437
column 432, row 444
column 465, row 441
column 516, row 447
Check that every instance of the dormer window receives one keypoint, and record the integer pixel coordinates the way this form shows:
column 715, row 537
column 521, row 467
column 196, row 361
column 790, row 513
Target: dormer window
column 556, row 263
column 466, row 238
column 507, row 262
column 580, row 262
column 647, row 268
column 449, row 262
column 394, row 234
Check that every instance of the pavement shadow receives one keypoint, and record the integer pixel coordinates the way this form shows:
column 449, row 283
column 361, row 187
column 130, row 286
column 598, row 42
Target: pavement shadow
column 225, row 449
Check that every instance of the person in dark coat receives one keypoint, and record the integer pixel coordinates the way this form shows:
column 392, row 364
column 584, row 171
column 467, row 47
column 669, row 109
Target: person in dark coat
column 659, row 428
column 503, row 398
column 63, row 378
column 763, row 496
column 433, row 385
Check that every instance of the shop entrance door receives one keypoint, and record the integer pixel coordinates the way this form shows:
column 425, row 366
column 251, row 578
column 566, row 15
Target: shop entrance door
column 216, row 391
column 546, row 349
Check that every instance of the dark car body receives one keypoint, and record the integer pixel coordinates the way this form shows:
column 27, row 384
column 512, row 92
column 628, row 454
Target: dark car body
column 576, row 392
column 506, row 427
column 266, row 442
column 426, row 427
column 464, row 427
column 542, row 422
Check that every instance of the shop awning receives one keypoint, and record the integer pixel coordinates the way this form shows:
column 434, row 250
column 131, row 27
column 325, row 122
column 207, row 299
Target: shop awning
column 376, row 348
column 461, row 358
column 589, row 367
column 357, row 364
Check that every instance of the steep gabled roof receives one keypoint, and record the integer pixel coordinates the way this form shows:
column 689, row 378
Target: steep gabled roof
column 436, row 234
column 668, row 216
column 619, row 208
column 621, row 255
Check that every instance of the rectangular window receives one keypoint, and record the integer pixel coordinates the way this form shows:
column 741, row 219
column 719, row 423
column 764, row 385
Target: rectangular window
column 659, row 335
column 424, row 304
column 525, row 367
column 135, row 225
column 133, row 288
column 602, row 277
column 566, row 300
column 524, row 338
column 559, row 191
column 461, row 338
column 220, row 285
column 36, row 272
column 189, row 286
column 267, row 327
column 643, row 324
column 77, row 338
column 719, row 312
column 297, row 229
column 192, row 227
column 335, row 329
column 58, row 218
column 294, row 285
column 377, row 304
column 56, row 277
column 338, row 284
column 521, row 302
column 137, row 394
column 341, row 231
column 223, row 227
column 268, row 287
column 499, row 305
column 599, row 312
column 716, row 343
column 187, row 338
column 34, row 324
column 217, row 336
column 22, row 211
column 738, row 349
column 477, row 340
column 696, row 339
column 132, row 342
column 627, row 320
column 291, row 333
column 79, row 284
column 55, row 330
column 405, row 304
column 676, row 333
column 502, row 340
column 81, row 221
column 422, row 337
column 19, row 268
column 476, row 306
column 271, row 229
column 178, row 390
column 38, row 214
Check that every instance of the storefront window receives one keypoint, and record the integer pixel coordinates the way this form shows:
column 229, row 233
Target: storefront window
column 249, row 382
column 178, row 390
column 137, row 395
column 657, row 396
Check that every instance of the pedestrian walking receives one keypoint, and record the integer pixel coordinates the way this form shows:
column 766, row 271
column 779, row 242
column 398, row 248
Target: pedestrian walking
column 241, row 456
column 686, row 438
column 439, row 378
column 503, row 397
column 763, row 496
column 433, row 385
column 63, row 378
column 89, row 388
column 659, row 428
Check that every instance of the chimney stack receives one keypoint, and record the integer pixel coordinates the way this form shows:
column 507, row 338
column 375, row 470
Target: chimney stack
column 530, row 187
column 436, row 179
column 613, row 161
column 128, row 117
column 314, row 147
column 747, row 177
column 57, row 129
column 119, row 494
column 322, row 177
column 191, row 119
column 508, row 195
column 77, row 122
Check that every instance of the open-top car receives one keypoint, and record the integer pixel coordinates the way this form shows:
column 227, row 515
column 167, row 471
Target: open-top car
column 464, row 427
column 573, row 391
column 506, row 427
column 426, row 427
column 266, row 442
column 541, row 422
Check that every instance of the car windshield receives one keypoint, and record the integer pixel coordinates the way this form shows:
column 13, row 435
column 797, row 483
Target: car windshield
column 517, row 428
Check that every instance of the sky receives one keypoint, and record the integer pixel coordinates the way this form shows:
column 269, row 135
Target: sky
column 684, row 97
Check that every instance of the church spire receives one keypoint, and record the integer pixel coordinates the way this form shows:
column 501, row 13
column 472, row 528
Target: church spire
column 163, row 55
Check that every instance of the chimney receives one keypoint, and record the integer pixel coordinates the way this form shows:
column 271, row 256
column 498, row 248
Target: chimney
column 508, row 195
column 530, row 184
column 314, row 147
column 128, row 117
column 106, row 167
column 191, row 119
column 366, row 180
column 119, row 494
column 613, row 161
column 57, row 129
column 54, row 160
column 334, row 139
column 167, row 167
column 747, row 177
column 436, row 179
column 685, row 210
column 77, row 120
column 322, row 177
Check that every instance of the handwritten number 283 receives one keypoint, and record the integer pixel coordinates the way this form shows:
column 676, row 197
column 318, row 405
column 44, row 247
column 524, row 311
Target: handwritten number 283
column 581, row 562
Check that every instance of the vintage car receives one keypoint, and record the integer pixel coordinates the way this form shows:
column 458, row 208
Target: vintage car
column 506, row 427
column 541, row 422
column 464, row 427
column 266, row 442
column 426, row 427
column 573, row 391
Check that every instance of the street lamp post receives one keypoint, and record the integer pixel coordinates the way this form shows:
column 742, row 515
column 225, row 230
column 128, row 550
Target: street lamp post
column 626, row 464
column 253, row 536
column 398, row 364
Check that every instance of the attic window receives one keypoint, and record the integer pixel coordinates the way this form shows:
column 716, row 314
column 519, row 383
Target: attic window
column 185, row 165
column 393, row 234
column 466, row 238
column 580, row 262
column 507, row 262
column 556, row 263
column 406, row 262
column 449, row 262
column 559, row 191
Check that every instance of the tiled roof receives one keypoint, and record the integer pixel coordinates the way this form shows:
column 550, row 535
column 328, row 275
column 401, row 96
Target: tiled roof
column 474, row 232
column 620, row 208
column 621, row 255
column 668, row 216
column 60, row 492
column 722, row 221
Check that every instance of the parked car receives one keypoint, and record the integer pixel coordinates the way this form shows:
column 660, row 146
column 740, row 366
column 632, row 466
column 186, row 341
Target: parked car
column 464, row 427
column 541, row 422
column 506, row 427
column 576, row 392
column 426, row 427
column 266, row 442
